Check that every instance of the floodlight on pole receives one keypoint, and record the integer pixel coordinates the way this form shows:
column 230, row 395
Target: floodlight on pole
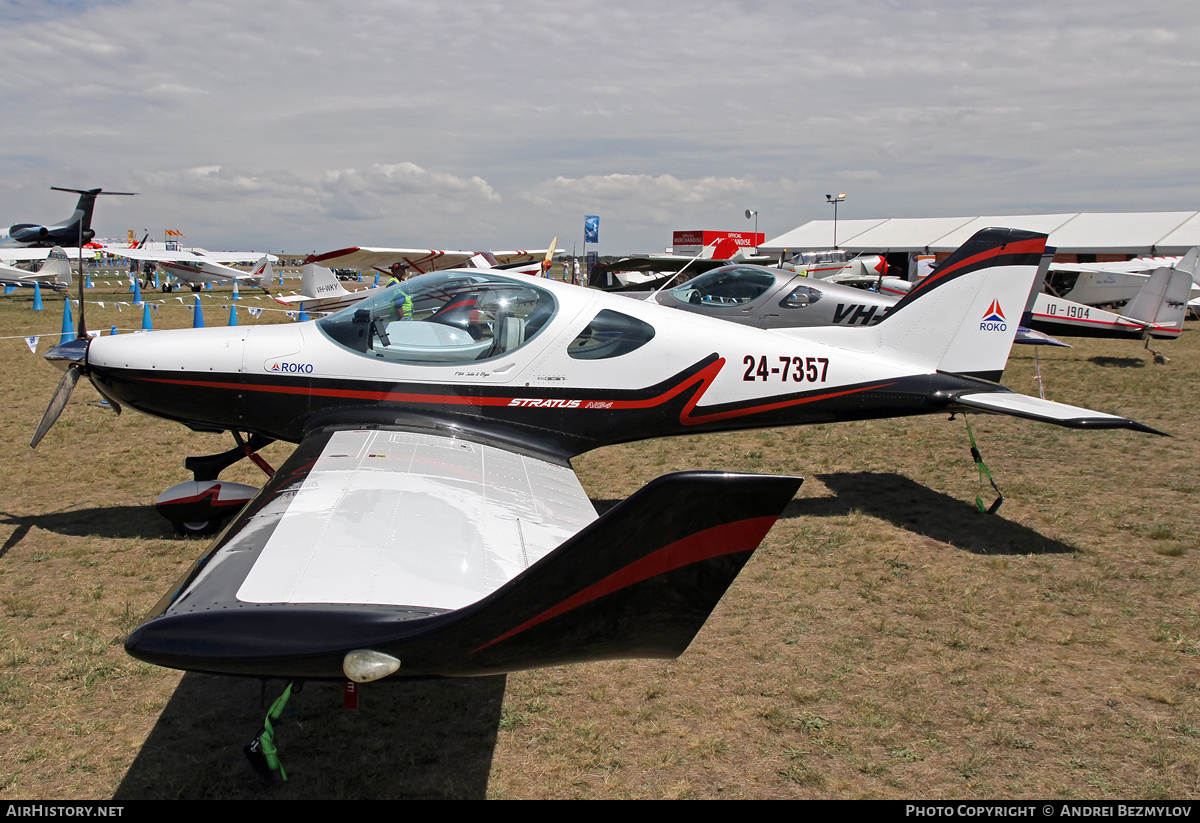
column 754, row 213
column 829, row 198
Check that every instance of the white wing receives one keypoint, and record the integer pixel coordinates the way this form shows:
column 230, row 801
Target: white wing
column 395, row 517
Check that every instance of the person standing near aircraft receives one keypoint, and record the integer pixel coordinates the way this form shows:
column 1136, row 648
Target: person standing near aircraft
column 399, row 273
column 402, row 302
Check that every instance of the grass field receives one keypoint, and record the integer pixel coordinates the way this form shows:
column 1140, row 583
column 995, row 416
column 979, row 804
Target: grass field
column 886, row 641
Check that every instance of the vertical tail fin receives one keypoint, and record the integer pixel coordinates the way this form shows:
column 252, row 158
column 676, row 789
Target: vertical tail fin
column 56, row 270
column 963, row 317
column 263, row 272
column 1162, row 301
column 318, row 281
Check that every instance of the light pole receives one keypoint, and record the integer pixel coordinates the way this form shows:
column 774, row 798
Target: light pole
column 754, row 213
column 829, row 198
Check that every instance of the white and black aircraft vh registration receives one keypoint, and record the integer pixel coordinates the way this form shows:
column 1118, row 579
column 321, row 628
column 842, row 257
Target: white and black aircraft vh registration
column 429, row 523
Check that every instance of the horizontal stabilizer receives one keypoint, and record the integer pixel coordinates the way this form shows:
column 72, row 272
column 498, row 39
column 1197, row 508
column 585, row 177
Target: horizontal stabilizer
column 1047, row 411
column 1032, row 337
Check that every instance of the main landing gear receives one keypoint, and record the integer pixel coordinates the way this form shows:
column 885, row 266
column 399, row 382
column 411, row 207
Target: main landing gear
column 203, row 504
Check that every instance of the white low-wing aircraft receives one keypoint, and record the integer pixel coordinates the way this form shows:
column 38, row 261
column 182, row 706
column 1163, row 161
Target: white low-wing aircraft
column 322, row 292
column 195, row 267
column 429, row 523
column 55, row 273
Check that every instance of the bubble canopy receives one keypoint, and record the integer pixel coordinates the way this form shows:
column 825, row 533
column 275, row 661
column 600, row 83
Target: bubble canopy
column 444, row 318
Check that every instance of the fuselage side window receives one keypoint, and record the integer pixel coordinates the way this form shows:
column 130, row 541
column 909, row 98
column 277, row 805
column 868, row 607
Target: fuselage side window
column 610, row 334
column 800, row 297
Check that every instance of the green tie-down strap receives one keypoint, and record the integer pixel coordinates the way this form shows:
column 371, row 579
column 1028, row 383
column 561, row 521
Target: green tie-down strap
column 983, row 472
column 262, row 753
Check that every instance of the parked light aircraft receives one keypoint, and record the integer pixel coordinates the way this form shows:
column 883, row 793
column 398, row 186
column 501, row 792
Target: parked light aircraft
column 322, row 292
column 55, row 273
column 646, row 272
column 419, row 260
column 1156, row 310
column 69, row 232
column 195, row 267
column 651, row 271
column 1112, row 284
column 436, row 422
column 772, row 298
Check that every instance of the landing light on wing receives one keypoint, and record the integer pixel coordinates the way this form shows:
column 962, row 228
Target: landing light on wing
column 365, row 665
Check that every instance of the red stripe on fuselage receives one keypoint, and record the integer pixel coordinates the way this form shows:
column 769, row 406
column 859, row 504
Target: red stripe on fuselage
column 686, row 418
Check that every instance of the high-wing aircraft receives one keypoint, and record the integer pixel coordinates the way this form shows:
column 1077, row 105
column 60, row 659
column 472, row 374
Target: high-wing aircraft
column 1156, row 310
column 429, row 523
column 195, row 267
column 68, row 232
column 418, row 260
column 1112, row 284
column 55, row 273
column 322, row 292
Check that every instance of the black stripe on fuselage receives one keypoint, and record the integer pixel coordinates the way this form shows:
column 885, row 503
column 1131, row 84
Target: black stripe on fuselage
column 554, row 421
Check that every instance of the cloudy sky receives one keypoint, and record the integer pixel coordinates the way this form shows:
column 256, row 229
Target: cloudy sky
column 302, row 126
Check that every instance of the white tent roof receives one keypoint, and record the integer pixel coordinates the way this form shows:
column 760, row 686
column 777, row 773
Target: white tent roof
column 1138, row 233
column 819, row 235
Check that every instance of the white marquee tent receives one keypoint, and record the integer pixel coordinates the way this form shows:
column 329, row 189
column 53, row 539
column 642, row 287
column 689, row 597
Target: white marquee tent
column 1133, row 233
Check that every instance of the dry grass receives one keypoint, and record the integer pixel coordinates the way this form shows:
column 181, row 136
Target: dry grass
column 886, row 640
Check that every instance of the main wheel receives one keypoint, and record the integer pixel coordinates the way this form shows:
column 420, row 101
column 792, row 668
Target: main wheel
column 197, row 528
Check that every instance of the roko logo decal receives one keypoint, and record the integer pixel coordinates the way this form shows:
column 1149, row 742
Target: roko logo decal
column 291, row 368
column 993, row 318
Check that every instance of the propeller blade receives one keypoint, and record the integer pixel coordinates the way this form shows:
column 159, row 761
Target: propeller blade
column 57, row 403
